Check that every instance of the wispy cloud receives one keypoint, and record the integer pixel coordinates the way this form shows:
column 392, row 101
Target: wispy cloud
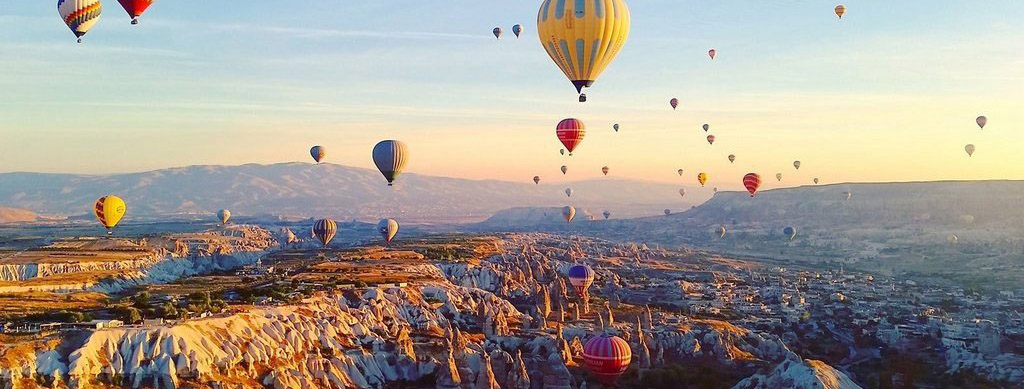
column 321, row 33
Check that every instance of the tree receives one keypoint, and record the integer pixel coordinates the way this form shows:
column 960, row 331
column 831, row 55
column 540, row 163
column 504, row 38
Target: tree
column 168, row 310
column 131, row 315
column 141, row 300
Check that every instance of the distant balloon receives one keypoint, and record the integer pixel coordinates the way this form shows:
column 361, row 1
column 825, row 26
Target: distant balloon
column 135, row 8
column 815, row 180
column 224, row 215
column 604, row 170
column 715, row 189
column 109, row 210
column 674, row 103
column 79, row 15
column 702, row 178
column 732, row 158
column 970, row 150
column 953, row 239
column 607, row 357
column 840, row 10
column 561, row 151
column 789, row 232
column 680, row 171
column 721, row 232
column 387, row 228
column 568, row 192
column 712, row 53
column 318, row 153
column 581, row 277
column 982, row 121
column 517, row 29
column 325, row 230
column 615, row 127
column 390, row 156
column 711, row 139
column 497, row 32
column 752, row 181
column 568, row 213
column 570, row 132
column 682, row 192
column 565, row 169
column 668, row 212
column 706, row 127
column 849, row 195
column 796, row 164
column 778, row 176
column 536, row 180
column 602, row 28
column 607, row 214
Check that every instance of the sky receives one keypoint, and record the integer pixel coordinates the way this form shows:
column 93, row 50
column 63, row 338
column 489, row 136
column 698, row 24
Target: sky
column 888, row 93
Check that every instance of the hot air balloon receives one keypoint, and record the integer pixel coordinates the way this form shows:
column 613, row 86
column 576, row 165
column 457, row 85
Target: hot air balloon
column 109, row 210
column 796, row 164
column 570, row 132
column 702, row 178
column 224, row 215
column 815, row 180
column 840, row 10
column 607, row 214
column 712, row 53
column 135, row 8
column 778, row 176
column 568, row 192
column 565, row 169
column 387, row 228
column 732, row 158
column 680, row 172
column 536, row 180
column 390, row 156
column 604, row 170
column 752, row 181
column 517, row 29
column 682, row 192
column 607, row 357
column 711, row 139
column 325, row 229
column 497, row 32
column 561, row 151
column 706, row 127
column 674, row 103
column 581, row 277
column 849, row 195
column 982, row 121
column 615, row 127
column 668, row 212
column 715, row 189
column 721, row 232
column 789, row 232
column 79, row 15
column 318, row 153
column 952, row 239
column 568, row 213
column 583, row 37
column 970, row 150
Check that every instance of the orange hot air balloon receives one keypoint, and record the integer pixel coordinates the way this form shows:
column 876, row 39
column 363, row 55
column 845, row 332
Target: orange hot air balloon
column 711, row 139
column 840, row 10
column 712, row 53
column 674, row 103
column 570, row 132
column 135, row 8
column 604, row 170
column 752, row 181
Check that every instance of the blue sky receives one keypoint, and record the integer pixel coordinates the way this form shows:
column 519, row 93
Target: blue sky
column 888, row 93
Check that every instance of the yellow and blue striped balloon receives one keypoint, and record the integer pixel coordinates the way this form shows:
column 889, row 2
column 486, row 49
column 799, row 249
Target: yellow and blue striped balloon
column 583, row 36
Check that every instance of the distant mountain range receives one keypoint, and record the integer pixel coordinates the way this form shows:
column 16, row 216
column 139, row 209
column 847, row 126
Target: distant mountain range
column 306, row 190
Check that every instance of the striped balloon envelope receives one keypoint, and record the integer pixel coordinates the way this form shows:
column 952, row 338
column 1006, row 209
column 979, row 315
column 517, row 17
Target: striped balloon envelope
column 79, row 15
column 570, row 132
column 109, row 210
column 581, row 277
column 752, row 181
column 583, row 37
column 606, row 357
column 390, row 156
column 325, row 230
